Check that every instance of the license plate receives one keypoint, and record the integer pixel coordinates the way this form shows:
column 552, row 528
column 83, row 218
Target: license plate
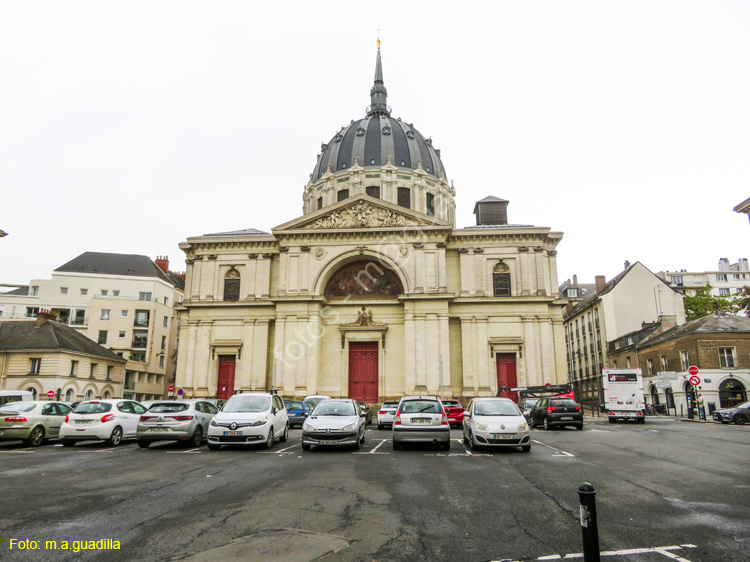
column 159, row 429
column 326, row 442
column 421, row 420
column 83, row 421
column 566, row 418
column 503, row 436
column 230, row 433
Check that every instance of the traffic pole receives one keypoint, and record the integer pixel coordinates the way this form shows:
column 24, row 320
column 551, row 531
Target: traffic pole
column 589, row 527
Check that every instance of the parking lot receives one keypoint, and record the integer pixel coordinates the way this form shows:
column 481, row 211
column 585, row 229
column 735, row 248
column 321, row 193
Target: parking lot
column 666, row 490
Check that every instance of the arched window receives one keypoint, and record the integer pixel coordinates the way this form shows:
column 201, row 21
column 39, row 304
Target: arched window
column 731, row 393
column 69, row 395
column 430, row 204
column 232, row 285
column 501, row 280
column 33, row 392
column 364, row 278
column 106, row 395
column 89, row 395
column 404, row 197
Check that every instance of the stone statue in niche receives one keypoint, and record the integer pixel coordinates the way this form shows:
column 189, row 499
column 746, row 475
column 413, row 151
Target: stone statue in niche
column 364, row 319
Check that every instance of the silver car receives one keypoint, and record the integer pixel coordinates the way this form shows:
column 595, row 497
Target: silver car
column 496, row 422
column 421, row 419
column 334, row 422
column 180, row 420
column 33, row 421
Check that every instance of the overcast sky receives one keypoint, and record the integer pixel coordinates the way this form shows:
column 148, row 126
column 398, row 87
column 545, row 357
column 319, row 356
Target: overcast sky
column 128, row 126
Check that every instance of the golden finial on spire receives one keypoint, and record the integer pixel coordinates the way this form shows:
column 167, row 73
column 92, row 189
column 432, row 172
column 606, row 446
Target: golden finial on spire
column 378, row 38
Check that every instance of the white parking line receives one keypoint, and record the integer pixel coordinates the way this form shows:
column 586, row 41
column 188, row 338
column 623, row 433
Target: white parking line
column 279, row 451
column 561, row 453
column 377, row 447
column 196, row 450
column 373, row 452
column 18, row 451
column 664, row 550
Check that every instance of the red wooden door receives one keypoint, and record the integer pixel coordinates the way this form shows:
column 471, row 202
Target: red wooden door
column 506, row 374
column 225, row 384
column 363, row 371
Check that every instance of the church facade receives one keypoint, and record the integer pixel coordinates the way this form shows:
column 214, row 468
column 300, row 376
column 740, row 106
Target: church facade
column 373, row 293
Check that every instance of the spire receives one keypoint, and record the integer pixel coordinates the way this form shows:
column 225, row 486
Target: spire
column 378, row 93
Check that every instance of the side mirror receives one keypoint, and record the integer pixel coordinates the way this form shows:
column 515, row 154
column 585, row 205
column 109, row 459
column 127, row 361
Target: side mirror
column 274, row 410
column 362, row 415
column 527, row 415
column 467, row 415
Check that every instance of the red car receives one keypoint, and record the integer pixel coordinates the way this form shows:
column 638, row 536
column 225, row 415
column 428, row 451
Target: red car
column 454, row 411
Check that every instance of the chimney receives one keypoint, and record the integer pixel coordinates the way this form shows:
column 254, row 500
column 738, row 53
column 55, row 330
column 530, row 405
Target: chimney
column 627, row 264
column 743, row 264
column 44, row 315
column 575, row 280
column 163, row 263
column 667, row 321
column 724, row 264
column 491, row 211
column 182, row 274
column 601, row 282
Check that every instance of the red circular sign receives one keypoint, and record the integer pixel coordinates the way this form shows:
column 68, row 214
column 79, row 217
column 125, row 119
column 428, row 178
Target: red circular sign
column 50, row 393
column 170, row 388
column 693, row 370
column 695, row 381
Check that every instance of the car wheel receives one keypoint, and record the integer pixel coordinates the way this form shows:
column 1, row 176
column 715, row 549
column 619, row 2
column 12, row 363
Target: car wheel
column 357, row 445
column 546, row 423
column 269, row 441
column 396, row 445
column 363, row 438
column 739, row 419
column 285, row 435
column 68, row 443
column 525, row 448
column 610, row 420
column 214, row 446
column 197, row 437
column 466, row 441
column 36, row 437
column 305, row 447
column 144, row 443
column 532, row 423
column 472, row 444
column 380, row 427
column 116, row 438
column 446, row 446
column 579, row 427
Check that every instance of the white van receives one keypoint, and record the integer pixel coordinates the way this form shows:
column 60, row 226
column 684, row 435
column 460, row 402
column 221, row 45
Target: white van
column 15, row 396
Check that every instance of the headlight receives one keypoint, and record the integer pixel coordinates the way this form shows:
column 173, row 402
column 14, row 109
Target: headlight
column 307, row 427
column 349, row 427
column 259, row 421
column 213, row 423
column 522, row 426
column 481, row 426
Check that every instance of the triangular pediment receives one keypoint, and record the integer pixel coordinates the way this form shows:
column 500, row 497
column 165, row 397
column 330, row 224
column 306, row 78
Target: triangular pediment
column 362, row 212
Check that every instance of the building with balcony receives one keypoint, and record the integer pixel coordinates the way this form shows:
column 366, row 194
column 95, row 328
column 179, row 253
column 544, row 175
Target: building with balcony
column 727, row 280
column 615, row 308
column 124, row 302
column 41, row 355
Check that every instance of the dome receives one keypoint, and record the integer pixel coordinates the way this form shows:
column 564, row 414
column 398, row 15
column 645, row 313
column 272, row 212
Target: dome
column 370, row 141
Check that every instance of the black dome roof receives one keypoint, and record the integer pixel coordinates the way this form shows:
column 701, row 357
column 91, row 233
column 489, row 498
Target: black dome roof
column 371, row 140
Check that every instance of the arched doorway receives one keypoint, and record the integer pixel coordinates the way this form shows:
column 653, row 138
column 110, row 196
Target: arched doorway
column 654, row 396
column 33, row 392
column 731, row 393
column 669, row 397
column 69, row 395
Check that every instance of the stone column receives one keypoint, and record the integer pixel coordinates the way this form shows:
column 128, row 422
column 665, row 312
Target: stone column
column 260, row 355
column 419, row 353
column 243, row 373
column 445, row 354
column 468, row 337
column 483, row 360
column 529, row 344
column 410, row 380
column 467, row 274
column 279, row 355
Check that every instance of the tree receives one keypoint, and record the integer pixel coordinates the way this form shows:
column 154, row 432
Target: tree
column 704, row 303
column 742, row 301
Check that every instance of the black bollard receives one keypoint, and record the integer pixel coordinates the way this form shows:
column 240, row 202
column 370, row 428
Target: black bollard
column 589, row 527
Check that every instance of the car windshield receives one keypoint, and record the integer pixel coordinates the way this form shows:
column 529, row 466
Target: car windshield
column 564, row 402
column 92, row 408
column 18, row 407
column 334, row 409
column 312, row 402
column 530, row 403
column 421, row 406
column 390, row 404
column 451, row 403
column 168, row 407
column 743, row 405
column 247, row 404
column 496, row 408
column 294, row 405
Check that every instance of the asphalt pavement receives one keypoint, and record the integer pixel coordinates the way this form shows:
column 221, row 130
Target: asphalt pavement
column 666, row 490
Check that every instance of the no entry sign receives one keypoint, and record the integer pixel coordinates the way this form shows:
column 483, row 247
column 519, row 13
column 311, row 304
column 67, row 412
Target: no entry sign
column 694, row 380
column 170, row 388
column 50, row 394
column 693, row 370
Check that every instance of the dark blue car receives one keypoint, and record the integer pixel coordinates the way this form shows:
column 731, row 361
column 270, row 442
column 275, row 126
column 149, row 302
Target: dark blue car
column 297, row 411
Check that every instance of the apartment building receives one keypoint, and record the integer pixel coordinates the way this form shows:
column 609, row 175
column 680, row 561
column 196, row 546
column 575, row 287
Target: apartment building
column 727, row 280
column 124, row 302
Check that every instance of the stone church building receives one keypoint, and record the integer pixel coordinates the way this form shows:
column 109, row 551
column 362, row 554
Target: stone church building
column 373, row 292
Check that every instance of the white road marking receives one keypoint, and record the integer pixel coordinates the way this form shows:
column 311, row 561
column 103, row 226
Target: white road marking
column 664, row 550
column 279, row 451
column 377, row 447
column 197, row 450
column 19, row 451
column 561, row 453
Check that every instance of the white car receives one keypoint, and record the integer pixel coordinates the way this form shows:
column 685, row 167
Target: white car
column 313, row 400
column 249, row 419
column 387, row 413
column 496, row 422
column 335, row 423
column 102, row 420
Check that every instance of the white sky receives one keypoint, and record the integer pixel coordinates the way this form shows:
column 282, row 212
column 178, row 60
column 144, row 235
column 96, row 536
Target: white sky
column 129, row 126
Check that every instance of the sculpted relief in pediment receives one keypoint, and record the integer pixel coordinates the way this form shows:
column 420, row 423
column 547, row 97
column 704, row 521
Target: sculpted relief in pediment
column 362, row 215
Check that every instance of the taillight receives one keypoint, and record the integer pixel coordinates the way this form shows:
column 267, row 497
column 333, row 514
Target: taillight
column 578, row 408
column 611, row 413
column 382, row 412
column 397, row 421
column 108, row 418
column 639, row 414
column 550, row 409
column 182, row 418
column 67, row 418
column 144, row 418
column 16, row 419
column 445, row 419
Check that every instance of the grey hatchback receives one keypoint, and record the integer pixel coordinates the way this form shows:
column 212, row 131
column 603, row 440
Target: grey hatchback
column 421, row 419
column 739, row 415
column 180, row 420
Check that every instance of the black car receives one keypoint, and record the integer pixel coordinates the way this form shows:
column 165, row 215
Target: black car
column 740, row 414
column 556, row 412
